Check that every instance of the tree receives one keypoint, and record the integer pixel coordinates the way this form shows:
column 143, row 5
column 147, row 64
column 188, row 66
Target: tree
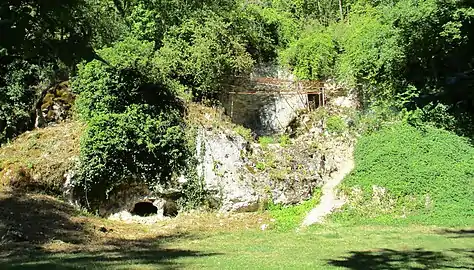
column 39, row 42
column 42, row 30
column 135, row 129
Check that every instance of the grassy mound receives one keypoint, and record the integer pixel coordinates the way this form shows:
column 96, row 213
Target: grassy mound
column 37, row 160
column 404, row 174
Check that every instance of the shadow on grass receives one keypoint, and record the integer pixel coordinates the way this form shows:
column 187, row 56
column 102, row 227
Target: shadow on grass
column 37, row 219
column 465, row 233
column 148, row 254
column 29, row 222
column 389, row 259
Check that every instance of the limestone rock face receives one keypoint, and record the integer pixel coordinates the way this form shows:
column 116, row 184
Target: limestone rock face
column 222, row 167
column 239, row 175
column 266, row 114
column 242, row 175
column 55, row 106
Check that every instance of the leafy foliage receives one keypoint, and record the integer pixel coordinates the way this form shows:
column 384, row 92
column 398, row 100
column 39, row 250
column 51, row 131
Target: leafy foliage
column 371, row 55
column 42, row 30
column 131, row 146
column 16, row 99
column 40, row 42
column 427, row 174
column 110, row 88
column 200, row 53
column 135, row 129
column 312, row 57
column 335, row 124
column 264, row 141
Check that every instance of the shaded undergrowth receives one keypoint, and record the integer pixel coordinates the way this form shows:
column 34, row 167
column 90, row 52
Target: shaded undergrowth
column 39, row 232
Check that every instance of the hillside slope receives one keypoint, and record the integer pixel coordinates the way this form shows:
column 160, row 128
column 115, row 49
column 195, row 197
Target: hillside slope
column 406, row 174
column 37, row 160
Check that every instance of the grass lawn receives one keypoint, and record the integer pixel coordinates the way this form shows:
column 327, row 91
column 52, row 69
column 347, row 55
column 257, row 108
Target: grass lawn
column 53, row 236
column 330, row 247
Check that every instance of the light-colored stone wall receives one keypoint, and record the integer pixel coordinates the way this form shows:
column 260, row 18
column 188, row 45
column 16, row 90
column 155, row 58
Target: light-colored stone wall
column 266, row 101
column 265, row 114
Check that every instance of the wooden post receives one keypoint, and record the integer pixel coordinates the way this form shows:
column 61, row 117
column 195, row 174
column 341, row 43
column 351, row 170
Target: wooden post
column 232, row 107
column 324, row 97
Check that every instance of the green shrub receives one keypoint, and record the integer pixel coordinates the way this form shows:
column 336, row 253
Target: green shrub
column 372, row 53
column 17, row 97
column 428, row 175
column 244, row 132
column 104, row 88
column 264, row 141
column 135, row 129
column 133, row 146
column 261, row 166
column 284, row 140
column 200, row 53
column 335, row 124
column 311, row 57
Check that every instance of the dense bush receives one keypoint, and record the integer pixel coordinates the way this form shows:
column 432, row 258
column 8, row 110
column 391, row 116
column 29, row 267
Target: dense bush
column 265, row 30
column 371, row 55
column 201, row 53
column 151, row 20
column 135, row 130
column 40, row 43
column 110, row 87
column 17, row 97
column 131, row 146
column 336, row 125
column 428, row 175
column 312, row 57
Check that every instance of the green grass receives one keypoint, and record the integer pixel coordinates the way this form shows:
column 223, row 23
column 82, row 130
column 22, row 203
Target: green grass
column 264, row 141
column 290, row 217
column 328, row 247
column 428, row 177
column 49, row 234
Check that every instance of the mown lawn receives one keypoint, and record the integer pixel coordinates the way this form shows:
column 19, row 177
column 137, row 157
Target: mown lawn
column 324, row 247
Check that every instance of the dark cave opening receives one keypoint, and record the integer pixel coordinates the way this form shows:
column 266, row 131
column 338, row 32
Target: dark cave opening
column 144, row 209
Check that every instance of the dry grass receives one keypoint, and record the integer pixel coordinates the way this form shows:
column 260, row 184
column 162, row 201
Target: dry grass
column 205, row 116
column 40, row 224
column 214, row 118
column 38, row 160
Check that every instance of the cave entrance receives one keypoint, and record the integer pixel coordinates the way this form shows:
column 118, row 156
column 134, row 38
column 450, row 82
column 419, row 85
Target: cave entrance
column 314, row 101
column 144, row 209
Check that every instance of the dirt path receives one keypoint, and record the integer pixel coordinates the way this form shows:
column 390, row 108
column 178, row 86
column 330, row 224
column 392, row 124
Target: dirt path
column 329, row 201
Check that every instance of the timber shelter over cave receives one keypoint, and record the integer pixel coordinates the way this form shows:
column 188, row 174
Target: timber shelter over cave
column 267, row 105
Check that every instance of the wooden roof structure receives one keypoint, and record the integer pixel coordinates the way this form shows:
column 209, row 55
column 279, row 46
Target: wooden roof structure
column 271, row 86
column 275, row 86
